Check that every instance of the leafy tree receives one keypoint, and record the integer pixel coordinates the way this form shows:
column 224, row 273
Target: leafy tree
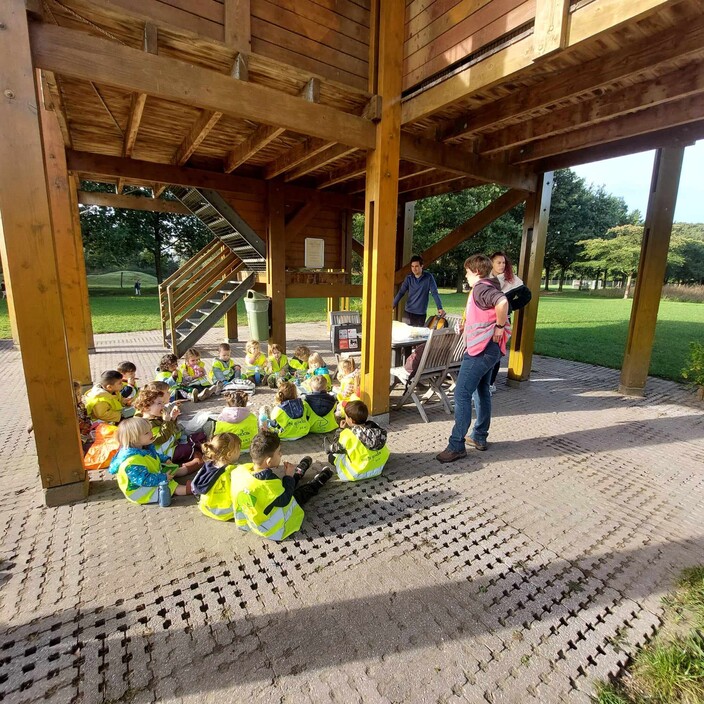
column 149, row 241
column 578, row 212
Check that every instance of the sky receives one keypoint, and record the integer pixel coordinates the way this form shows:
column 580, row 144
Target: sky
column 629, row 177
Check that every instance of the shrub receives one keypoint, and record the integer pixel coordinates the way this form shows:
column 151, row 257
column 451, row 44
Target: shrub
column 694, row 371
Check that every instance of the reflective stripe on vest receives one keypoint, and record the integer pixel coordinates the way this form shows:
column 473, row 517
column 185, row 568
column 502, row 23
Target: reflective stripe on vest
column 250, row 496
column 98, row 394
column 217, row 503
column 245, row 430
column 359, row 462
column 141, row 494
column 290, row 428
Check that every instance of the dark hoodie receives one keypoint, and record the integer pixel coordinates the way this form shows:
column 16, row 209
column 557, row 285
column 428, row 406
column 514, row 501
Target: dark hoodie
column 321, row 402
column 293, row 408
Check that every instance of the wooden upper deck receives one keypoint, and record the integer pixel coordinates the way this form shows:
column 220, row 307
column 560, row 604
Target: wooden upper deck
column 494, row 90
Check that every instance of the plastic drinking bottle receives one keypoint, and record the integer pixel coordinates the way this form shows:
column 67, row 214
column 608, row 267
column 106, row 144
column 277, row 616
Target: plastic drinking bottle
column 257, row 375
column 164, row 494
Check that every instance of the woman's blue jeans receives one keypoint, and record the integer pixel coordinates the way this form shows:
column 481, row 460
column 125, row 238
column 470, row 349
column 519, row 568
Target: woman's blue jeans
column 473, row 381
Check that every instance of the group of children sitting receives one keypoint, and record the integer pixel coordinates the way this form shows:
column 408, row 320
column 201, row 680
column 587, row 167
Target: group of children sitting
column 154, row 448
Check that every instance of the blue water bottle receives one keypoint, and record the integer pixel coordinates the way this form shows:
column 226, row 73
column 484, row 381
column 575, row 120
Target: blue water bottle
column 257, row 376
column 164, row 494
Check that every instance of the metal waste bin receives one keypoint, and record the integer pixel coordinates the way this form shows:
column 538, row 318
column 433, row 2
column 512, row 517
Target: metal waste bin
column 257, row 306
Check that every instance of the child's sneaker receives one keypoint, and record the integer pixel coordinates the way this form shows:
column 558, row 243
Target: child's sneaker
column 218, row 387
column 324, row 476
column 193, row 396
column 206, row 393
column 304, row 466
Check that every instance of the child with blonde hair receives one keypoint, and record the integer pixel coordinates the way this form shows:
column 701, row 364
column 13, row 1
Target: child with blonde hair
column 277, row 365
column 195, row 378
column 298, row 364
column 254, row 362
column 212, row 483
column 317, row 367
column 140, row 468
column 288, row 417
column 265, row 504
column 320, row 406
column 237, row 419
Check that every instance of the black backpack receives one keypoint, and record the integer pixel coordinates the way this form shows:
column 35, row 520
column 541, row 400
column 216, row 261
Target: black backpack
column 518, row 297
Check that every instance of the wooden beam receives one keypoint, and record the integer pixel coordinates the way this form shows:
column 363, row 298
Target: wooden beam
column 651, row 270
column 380, row 212
column 301, row 219
column 440, row 156
column 670, row 114
column 79, row 55
column 303, row 151
column 433, row 178
column 550, row 29
column 263, row 135
column 624, row 100
column 438, row 189
column 54, row 96
column 630, row 61
column 530, row 269
column 344, row 173
column 276, row 261
column 238, row 24
column 200, row 129
column 323, row 290
column 333, row 153
column 81, row 261
column 357, row 247
column 467, row 229
column 153, row 205
column 32, row 271
column 231, row 329
column 67, row 254
column 683, row 135
column 585, row 22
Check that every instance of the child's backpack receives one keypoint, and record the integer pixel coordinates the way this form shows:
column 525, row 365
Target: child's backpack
column 518, row 297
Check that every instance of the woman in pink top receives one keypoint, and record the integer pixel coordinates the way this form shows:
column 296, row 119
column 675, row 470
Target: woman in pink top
column 486, row 333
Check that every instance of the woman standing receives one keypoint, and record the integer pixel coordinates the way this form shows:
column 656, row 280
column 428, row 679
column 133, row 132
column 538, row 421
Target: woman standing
column 502, row 269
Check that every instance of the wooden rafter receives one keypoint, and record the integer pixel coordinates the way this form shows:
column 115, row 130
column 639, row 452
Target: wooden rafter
column 333, row 153
column 671, row 44
column 437, row 189
column 198, row 132
column 433, row 178
column 52, row 93
column 113, row 200
column 238, row 24
column 344, row 173
column 550, row 30
column 586, row 21
column 671, row 86
column 82, row 56
column 307, row 149
column 670, row 114
column 431, row 153
column 467, row 229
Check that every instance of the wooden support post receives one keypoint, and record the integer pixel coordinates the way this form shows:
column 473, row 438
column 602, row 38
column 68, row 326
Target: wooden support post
column 651, row 269
column 404, row 245
column 67, row 258
column 81, row 264
column 231, row 332
column 346, row 219
column 276, row 262
column 32, row 270
column 530, row 269
column 8, row 288
column 380, row 211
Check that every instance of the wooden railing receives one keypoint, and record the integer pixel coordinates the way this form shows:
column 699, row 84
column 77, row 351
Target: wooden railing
column 189, row 288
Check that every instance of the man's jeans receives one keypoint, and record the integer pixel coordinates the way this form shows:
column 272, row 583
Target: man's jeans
column 473, row 381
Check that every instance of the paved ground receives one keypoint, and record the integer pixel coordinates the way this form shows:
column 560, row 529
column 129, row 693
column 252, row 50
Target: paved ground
column 519, row 574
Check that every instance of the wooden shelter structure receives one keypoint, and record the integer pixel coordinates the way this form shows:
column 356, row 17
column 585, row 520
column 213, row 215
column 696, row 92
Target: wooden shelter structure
column 299, row 114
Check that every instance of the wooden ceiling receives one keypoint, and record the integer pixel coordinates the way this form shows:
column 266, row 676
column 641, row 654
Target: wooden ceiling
column 148, row 91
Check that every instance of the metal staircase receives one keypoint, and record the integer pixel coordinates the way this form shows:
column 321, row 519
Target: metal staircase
column 209, row 284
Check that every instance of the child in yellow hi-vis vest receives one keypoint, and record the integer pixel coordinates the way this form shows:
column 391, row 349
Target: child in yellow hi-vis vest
column 212, row 483
column 359, row 450
column 140, row 468
column 237, row 419
column 264, row 504
column 288, row 417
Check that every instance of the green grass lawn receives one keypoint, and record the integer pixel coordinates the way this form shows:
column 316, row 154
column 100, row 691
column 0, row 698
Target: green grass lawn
column 571, row 325
column 127, row 278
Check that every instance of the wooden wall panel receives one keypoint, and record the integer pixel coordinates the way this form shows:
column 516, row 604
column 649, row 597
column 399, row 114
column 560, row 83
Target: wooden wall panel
column 250, row 208
column 325, row 226
column 442, row 32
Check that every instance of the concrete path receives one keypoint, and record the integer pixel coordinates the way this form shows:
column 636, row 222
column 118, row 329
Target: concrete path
column 519, row 574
